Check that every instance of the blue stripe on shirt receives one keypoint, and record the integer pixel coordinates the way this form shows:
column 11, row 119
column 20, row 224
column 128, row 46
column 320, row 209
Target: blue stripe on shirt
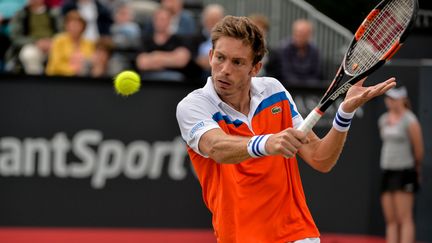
column 218, row 117
column 273, row 99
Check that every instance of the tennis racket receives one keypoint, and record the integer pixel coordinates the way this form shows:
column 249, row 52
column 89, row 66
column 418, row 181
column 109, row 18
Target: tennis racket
column 377, row 39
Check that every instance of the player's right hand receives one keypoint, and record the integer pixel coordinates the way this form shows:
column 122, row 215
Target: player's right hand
column 286, row 143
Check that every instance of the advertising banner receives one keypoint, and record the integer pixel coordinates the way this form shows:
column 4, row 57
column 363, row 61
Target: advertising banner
column 74, row 157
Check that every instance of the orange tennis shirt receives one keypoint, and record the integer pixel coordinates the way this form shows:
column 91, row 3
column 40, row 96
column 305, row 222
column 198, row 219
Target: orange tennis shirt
column 259, row 200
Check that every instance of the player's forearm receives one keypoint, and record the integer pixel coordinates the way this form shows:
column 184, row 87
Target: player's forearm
column 326, row 152
column 223, row 148
column 231, row 150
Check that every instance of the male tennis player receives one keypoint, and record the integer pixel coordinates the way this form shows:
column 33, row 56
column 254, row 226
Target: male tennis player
column 242, row 140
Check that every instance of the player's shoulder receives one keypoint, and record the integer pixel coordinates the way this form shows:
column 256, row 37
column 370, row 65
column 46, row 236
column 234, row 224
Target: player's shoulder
column 197, row 97
column 268, row 84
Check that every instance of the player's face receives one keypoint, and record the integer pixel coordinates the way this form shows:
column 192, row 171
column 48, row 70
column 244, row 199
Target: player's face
column 231, row 65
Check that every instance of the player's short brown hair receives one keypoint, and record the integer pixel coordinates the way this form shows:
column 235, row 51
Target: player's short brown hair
column 241, row 28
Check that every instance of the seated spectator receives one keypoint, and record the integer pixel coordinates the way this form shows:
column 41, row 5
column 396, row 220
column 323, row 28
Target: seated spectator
column 163, row 55
column 70, row 50
column 143, row 12
column 271, row 61
column 4, row 39
column 211, row 14
column 125, row 33
column 8, row 8
column 97, row 16
column 99, row 65
column 54, row 3
column 31, row 32
column 300, row 58
column 126, row 36
column 182, row 21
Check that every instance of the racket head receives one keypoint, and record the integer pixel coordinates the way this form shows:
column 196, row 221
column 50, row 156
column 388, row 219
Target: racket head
column 377, row 39
column 380, row 36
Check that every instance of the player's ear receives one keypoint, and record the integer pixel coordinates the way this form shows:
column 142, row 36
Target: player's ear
column 255, row 69
column 210, row 54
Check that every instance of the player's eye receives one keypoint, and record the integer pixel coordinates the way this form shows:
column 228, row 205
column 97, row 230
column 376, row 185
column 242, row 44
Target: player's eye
column 237, row 62
column 220, row 58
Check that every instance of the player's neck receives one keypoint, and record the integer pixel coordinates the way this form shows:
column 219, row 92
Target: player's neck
column 240, row 103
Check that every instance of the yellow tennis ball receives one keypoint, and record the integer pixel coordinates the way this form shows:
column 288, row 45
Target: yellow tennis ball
column 127, row 83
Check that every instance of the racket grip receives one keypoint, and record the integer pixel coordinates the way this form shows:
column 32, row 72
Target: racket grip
column 310, row 121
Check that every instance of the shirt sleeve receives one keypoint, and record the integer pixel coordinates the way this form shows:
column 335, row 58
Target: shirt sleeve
column 194, row 117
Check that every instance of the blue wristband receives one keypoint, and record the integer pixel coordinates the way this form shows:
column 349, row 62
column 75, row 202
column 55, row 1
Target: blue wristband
column 342, row 120
column 256, row 145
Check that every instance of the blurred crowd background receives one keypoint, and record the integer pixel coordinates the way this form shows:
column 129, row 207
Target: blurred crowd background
column 169, row 39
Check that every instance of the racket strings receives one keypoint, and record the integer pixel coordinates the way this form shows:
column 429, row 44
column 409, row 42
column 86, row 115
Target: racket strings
column 385, row 29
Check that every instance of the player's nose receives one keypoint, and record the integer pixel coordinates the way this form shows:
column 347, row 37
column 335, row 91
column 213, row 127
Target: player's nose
column 226, row 68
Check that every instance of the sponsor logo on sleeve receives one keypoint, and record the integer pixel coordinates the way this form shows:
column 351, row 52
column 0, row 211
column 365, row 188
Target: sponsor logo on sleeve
column 196, row 128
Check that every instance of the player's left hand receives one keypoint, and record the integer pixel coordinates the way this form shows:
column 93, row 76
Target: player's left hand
column 358, row 95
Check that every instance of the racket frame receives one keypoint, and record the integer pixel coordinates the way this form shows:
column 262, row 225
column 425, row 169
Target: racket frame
column 333, row 92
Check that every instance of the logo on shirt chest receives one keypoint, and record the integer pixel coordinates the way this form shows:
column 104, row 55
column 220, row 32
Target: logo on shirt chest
column 275, row 110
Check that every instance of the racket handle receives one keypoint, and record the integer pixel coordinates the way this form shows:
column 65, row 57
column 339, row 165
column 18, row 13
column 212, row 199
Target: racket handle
column 310, row 121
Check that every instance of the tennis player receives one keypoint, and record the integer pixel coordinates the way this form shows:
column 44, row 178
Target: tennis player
column 242, row 140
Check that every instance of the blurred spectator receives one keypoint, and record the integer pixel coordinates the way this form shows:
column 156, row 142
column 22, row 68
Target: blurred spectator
column 54, row 3
column 401, row 158
column 300, row 58
column 5, row 42
column 182, row 21
column 31, row 31
column 272, row 60
column 111, row 4
column 99, row 63
column 8, row 8
column 143, row 12
column 70, row 50
column 211, row 14
column 126, row 34
column 164, row 56
column 97, row 16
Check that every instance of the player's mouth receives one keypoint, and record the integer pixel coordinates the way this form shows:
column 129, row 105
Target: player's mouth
column 223, row 83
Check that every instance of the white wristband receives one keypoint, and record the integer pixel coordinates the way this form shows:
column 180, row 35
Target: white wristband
column 342, row 120
column 256, row 146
